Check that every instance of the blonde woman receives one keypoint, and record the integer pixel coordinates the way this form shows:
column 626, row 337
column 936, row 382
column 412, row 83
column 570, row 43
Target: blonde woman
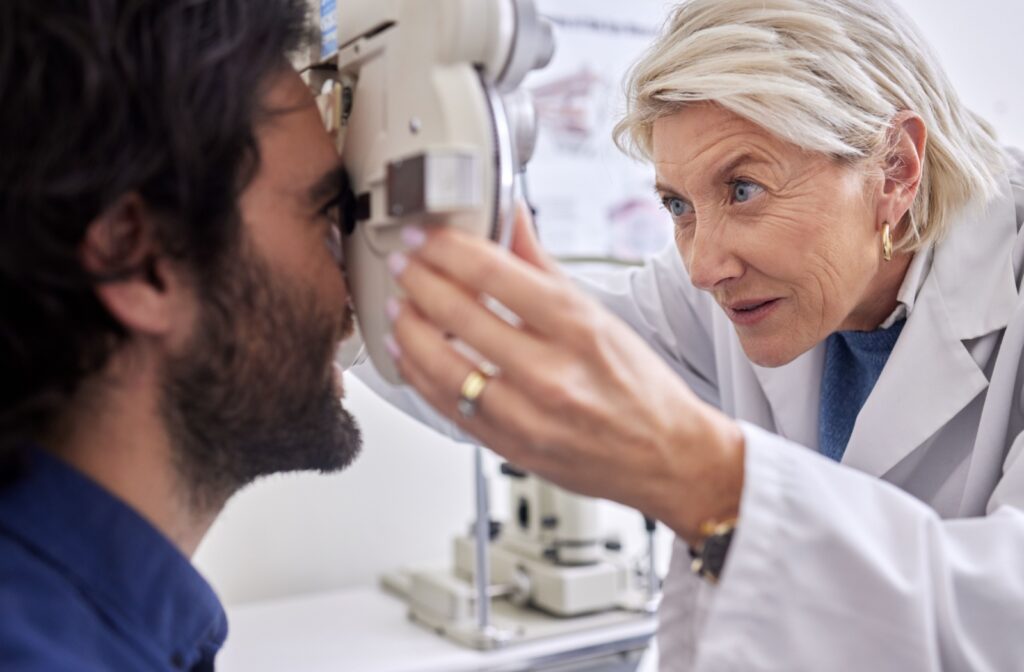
column 818, row 388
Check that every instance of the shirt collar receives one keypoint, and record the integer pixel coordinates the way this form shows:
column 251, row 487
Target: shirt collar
column 911, row 287
column 128, row 568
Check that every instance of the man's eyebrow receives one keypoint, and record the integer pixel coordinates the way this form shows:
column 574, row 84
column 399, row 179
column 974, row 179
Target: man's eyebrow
column 328, row 186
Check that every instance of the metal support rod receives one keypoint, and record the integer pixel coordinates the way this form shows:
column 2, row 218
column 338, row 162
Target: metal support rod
column 483, row 539
column 652, row 573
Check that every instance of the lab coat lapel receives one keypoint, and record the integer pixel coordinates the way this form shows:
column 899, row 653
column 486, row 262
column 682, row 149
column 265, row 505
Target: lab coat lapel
column 931, row 376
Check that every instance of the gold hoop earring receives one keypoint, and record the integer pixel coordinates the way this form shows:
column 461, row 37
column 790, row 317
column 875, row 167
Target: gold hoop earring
column 887, row 242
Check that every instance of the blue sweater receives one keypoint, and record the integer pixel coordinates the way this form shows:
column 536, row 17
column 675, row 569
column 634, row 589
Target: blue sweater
column 853, row 362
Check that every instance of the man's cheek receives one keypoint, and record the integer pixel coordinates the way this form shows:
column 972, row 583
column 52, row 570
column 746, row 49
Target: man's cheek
column 339, row 381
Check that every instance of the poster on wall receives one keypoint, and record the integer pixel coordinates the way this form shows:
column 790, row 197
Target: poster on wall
column 593, row 201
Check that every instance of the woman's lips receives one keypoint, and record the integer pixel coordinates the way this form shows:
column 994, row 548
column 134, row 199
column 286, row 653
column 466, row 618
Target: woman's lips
column 749, row 313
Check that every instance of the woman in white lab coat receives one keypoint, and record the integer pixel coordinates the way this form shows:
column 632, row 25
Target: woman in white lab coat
column 818, row 388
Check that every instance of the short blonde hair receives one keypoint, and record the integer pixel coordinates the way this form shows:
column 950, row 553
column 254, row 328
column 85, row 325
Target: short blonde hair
column 826, row 75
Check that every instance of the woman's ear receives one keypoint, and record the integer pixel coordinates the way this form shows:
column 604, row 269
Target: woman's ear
column 904, row 167
column 134, row 282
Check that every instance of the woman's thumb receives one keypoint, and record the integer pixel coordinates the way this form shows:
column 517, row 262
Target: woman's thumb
column 525, row 244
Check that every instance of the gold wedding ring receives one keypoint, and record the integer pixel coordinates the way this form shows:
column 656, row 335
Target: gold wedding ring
column 472, row 387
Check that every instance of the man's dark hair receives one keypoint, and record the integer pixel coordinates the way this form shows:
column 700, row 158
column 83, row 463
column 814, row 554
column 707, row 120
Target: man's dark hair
column 99, row 99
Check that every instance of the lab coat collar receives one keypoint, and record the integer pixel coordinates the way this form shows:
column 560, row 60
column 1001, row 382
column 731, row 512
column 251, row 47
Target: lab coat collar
column 969, row 291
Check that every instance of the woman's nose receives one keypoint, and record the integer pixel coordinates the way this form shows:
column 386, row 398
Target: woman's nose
column 711, row 259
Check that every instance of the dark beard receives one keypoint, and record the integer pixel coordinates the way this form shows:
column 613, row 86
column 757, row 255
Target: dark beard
column 254, row 394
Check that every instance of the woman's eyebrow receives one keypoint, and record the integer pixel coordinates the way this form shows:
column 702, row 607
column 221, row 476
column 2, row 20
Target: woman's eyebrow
column 734, row 164
column 746, row 158
column 663, row 189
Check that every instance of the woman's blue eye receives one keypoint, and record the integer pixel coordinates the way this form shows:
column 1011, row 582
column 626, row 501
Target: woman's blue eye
column 743, row 191
column 677, row 206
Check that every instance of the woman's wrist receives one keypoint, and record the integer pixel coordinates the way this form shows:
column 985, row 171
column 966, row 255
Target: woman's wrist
column 709, row 476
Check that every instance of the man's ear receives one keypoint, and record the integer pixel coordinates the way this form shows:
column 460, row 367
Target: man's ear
column 904, row 167
column 135, row 282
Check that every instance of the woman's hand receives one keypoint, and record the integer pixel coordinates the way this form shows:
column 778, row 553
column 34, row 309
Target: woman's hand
column 579, row 400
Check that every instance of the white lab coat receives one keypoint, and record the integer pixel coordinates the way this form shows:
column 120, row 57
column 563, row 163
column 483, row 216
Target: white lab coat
column 910, row 554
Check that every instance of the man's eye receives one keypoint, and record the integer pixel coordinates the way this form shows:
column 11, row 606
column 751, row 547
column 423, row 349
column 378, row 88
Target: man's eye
column 334, row 243
column 332, row 212
column 332, row 216
column 743, row 191
column 677, row 207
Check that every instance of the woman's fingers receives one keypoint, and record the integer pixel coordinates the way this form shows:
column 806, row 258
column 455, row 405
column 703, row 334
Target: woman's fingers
column 454, row 311
column 427, row 361
column 504, row 419
column 538, row 296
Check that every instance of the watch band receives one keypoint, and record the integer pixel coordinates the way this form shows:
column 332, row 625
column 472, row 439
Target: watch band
column 709, row 556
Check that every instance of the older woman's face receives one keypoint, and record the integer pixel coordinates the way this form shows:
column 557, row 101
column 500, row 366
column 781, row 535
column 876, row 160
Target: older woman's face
column 785, row 240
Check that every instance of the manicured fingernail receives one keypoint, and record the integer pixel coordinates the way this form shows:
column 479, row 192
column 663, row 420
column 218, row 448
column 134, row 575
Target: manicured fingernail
column 413, row 236
column 393, row 308
column 397, row 263
column 392, row 345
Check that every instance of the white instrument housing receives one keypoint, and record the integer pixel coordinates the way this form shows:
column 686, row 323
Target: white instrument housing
column 422, row 98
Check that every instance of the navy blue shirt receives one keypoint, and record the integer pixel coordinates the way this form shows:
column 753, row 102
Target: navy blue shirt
column 86, row 584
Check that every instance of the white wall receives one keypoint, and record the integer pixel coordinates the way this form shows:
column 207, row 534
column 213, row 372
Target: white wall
column 411, row 490
column 979, row 44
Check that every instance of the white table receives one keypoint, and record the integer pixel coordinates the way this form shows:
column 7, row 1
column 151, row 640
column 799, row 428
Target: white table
column 366, row 630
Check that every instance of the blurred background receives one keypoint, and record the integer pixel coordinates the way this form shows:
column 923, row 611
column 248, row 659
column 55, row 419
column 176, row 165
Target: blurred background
column 411, row 491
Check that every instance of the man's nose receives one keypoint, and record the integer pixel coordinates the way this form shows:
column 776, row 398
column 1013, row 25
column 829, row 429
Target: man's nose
column 711, row 258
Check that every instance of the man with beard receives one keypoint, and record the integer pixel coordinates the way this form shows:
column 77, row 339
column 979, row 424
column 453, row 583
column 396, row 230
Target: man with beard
column 172, row 298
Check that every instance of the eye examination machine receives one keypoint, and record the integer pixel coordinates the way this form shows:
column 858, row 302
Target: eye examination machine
column 426, row 103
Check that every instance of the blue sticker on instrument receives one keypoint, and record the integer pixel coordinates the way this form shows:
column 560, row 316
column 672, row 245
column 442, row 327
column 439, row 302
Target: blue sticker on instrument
column 328, row 27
